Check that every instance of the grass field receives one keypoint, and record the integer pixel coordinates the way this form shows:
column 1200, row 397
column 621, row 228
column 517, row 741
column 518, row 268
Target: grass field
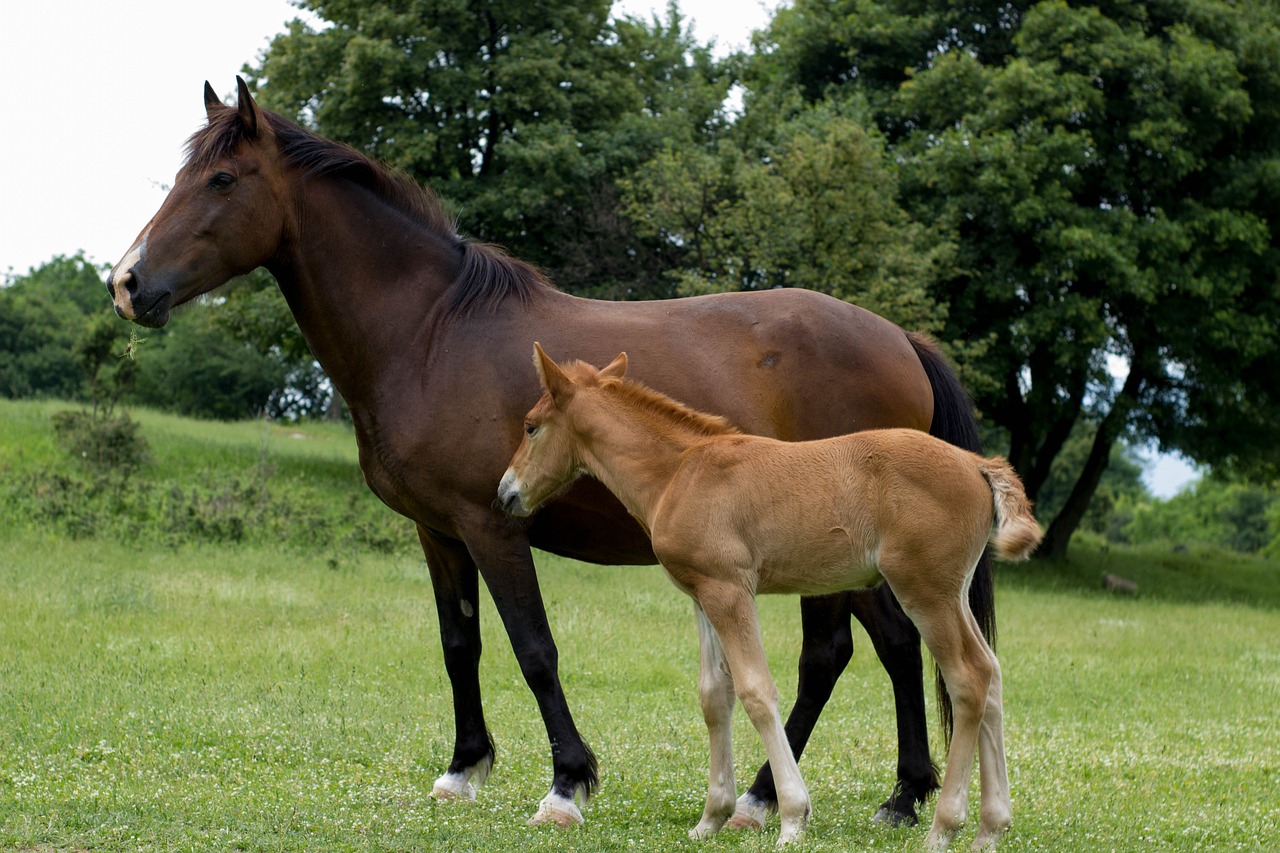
column 261, row 696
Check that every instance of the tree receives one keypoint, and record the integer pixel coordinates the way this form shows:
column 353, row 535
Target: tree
column 816, row 209
column 522, row 114
column 42, row 315
column 1109, row 174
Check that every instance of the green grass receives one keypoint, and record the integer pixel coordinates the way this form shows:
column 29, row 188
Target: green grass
column 251, row 696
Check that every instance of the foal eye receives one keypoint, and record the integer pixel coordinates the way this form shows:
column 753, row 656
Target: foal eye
column 530, row 429
column 222, row 181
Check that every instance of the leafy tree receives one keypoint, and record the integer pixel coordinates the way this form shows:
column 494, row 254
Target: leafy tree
column 42, row 315
column 194, row 368
column 521, row 113
column 256, row 316
column 1224, row 511
column 1109, row 174
column 817, row 209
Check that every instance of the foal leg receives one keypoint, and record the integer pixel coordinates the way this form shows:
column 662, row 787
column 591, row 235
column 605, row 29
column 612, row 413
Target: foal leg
column 967, row 672
column 732, row 612
column 826, row 649
column 715, row 690
column 995, row 813
column 966, row 662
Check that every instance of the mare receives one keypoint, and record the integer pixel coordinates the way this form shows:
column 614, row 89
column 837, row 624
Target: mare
column 426, row 335
column 732, row 515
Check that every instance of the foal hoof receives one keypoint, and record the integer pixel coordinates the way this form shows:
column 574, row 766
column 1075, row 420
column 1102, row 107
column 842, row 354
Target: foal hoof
column 557, row 811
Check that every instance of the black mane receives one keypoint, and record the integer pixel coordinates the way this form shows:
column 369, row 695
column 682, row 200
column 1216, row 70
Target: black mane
column 488, row 274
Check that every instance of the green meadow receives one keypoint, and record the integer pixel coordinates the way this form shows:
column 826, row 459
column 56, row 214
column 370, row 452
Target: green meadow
column 235, row 648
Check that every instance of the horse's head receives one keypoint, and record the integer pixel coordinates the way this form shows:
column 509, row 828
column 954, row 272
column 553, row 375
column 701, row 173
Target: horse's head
column 223, row 217
column 548, row 458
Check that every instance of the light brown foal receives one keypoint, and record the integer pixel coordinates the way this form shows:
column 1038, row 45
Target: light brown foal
column 732, row 515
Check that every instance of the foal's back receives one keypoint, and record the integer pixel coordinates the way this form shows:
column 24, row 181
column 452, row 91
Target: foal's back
column 820, row 516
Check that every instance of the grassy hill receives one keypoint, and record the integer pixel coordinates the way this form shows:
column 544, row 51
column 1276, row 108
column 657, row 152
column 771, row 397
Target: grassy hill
column 171, row 685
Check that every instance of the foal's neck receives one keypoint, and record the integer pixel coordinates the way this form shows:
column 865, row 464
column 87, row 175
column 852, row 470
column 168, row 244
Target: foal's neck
column 636, row 451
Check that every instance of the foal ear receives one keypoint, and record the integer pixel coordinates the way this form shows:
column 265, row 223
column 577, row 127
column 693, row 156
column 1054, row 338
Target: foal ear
column 212, row 103
column 616, row 368
column 249, row 111
column 553, row 379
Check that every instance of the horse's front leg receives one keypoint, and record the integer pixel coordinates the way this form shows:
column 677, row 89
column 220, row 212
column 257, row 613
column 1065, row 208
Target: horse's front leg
column 506, row 564
column 825, row 652
column 715, row 691
column 454, row 579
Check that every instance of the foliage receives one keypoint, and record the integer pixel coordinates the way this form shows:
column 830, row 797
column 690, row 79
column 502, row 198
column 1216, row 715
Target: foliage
column 106, row 443
column 522, row 114
column 257, row 316
column 42, row 315
column 1218, row 511
column 1108, row 173
column 819, row 212
column 193, row 368
column 295, row 486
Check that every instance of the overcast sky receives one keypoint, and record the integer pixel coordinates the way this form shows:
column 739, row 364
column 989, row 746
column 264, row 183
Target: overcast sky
column 98, row 98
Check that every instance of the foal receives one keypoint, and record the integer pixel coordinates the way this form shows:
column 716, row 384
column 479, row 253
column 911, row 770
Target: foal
column 732, row 515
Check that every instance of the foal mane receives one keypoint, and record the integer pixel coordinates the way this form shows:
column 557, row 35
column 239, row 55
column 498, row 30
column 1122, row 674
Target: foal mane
column 487, row 276
column 657, row 406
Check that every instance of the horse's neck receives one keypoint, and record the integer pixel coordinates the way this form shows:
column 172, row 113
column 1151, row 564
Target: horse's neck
column 362, row 280
column 636, row 461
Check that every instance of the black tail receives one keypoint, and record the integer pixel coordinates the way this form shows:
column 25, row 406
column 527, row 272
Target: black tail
column 954, row 422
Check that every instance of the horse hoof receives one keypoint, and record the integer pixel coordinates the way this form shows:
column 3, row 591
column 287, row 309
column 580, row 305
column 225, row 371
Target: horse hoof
column 895, row 819
column 453, row 787
column 557, row 811
column 745, row 821
column 749, row 813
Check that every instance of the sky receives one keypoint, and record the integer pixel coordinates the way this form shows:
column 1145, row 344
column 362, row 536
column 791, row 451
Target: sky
column 99, row 97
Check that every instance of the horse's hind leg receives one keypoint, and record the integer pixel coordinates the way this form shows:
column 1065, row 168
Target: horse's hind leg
column 715, row 690
column 826, row 650
column 897, row 644
column 732, row 612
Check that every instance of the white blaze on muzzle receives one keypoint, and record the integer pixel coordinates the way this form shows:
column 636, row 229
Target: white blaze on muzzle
column 121, row 274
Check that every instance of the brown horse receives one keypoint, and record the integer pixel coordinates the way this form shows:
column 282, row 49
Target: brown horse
column 733, row 515
column 426, row 335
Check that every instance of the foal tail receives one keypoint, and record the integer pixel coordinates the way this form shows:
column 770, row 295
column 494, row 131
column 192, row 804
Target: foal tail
column 1016, row 533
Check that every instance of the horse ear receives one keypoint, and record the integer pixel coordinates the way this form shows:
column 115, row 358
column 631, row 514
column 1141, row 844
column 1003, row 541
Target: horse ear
column 553, row 379
column 616, row 368
column 249, row 111
column 212, row 103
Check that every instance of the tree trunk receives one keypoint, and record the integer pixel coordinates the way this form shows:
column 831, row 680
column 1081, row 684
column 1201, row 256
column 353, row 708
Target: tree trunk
column 1064, row 525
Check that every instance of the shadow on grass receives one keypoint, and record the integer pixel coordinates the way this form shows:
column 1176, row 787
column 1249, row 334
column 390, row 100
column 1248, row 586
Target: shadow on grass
column 1191, row 574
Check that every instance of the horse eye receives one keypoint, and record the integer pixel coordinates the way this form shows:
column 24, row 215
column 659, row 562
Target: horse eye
column 530, row 429
column 222, row 181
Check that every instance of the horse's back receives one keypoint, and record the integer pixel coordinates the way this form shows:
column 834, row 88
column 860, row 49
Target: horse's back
column 789, row 363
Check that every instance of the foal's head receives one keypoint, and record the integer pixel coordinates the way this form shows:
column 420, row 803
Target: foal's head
column 548, row 458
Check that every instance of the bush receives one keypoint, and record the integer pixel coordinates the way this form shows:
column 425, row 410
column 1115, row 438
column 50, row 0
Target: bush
column 102, row 442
